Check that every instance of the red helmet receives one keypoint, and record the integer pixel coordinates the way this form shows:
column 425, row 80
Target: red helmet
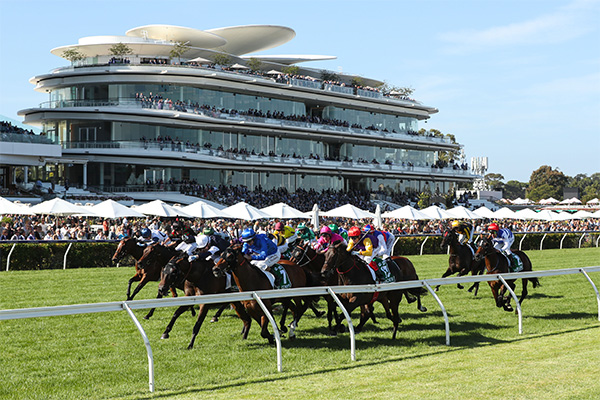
column 354, row 231
column 493, row 227
column 279, row 226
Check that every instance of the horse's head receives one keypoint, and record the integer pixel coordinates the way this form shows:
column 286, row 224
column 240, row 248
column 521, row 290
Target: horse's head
column 123, row 249
column 149, row 255
column 230, row 259
column 299, row 253
column 450, row 238
column 484, row 247
column 171, row 274
column 334, row 256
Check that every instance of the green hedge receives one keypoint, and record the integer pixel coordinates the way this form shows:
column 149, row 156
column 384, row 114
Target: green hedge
column 33, row 256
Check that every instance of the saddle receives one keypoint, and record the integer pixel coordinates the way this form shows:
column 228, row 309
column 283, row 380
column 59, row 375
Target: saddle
column 282, row 280
column 383, row 273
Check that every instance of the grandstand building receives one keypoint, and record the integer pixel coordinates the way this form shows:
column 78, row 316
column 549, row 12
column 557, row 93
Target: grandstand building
column 166, row 104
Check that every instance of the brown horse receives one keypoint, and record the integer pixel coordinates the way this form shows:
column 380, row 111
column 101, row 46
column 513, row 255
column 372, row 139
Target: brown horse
column 154, row 258
column 354, row 271
column 497, row 263
column 129, row 246
column 196, row 279
column 312, row 262
column 249, row 278
column 461, row 260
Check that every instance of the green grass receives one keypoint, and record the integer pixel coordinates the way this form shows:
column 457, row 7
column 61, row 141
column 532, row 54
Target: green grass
column 102, row 356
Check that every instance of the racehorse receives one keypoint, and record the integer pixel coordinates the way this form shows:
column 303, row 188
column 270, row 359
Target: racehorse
column 306, row 257
column 461, row 261
column 497, row 263
column 130, row 246
column 196, row 279
column 354, row 271
column 154, row 258
column 249, row 278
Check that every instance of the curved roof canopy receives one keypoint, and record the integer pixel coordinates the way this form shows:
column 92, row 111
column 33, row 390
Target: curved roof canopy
column 171, row 33
column 252, row 38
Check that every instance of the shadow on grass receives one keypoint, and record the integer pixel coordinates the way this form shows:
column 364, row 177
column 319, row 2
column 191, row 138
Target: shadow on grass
column 565, row 316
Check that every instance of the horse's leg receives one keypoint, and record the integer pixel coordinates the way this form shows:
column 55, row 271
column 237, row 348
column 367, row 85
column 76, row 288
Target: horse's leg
column 417, row 294
column 395, row 315
column 494, row 287
column 135, row 278
column 139, row 287
column 314, row 309
column 524, row 292
column 241, row 312
column 219, row 312
column 331, row 312
column 201, row 315
column 178, row 312
column 287, row 304
column 447, row 273
column 151, row 312
column 264, row 332
column 371, row 310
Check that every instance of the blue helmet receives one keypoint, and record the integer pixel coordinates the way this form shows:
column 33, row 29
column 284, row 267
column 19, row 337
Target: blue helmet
column 248, row 234
column 146, row 233
column 367, row 228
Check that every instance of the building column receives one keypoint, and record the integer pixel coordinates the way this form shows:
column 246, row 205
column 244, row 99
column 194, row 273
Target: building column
column 85, row 176
column 26, row 175
column 101, row 168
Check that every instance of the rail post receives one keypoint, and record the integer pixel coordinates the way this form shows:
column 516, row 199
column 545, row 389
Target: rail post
column 66, row 254
column 561, row 240
column 8, row 257
column 580, row 239
column 514, row 296
column 593, row 287
column 423, row 244
column 146, row 343
column 350, row 326
column 446, row 323
column 542, row 241
column 521, row 241
column 275, row 329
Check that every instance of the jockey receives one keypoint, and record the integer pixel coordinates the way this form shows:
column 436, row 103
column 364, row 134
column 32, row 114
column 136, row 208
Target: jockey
column 284, row 236
column 326, row 237
column 379, row 241
column 208, row 249
column 261, row 251
column 305, row 233
column 339, row 230
column 464, row 230
column 362, row 246
column 152, row 236
column 502, row 240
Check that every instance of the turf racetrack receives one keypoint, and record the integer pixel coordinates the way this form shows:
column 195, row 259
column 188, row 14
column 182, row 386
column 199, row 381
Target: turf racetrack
column 102, row 356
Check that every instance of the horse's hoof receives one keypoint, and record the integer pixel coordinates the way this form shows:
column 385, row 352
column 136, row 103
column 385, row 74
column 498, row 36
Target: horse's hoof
column 147, row 317
column 423, row 309
column 332, row 333
column 319, row 314
column 190, row 347
column 165, row 336
column 214, row 319
column 411, row 299
column 458, row 285
column 283, row 329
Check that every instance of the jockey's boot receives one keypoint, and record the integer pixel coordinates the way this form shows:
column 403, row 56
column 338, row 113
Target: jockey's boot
column 375, row 268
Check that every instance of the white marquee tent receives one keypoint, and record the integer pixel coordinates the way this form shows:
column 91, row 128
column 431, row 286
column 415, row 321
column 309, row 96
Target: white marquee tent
column 406, row 212
column 348, row 211
column 245, row 211
column 434, row 212
column 283, row 211
column 160, row 209
column 57, row 206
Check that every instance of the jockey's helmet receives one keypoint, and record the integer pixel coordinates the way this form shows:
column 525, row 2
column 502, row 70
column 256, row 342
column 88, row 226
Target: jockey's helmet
column 248, row 234
column 202, row 241
column 208, row 231
column 354, row 232
column 455, row 223
column 301, row 226
column 146, row 233
column 325, row 230
column 493, row 227
column 334, row 228
column 279, row 226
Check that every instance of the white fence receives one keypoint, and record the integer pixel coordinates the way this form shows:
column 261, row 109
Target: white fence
column 333, row 291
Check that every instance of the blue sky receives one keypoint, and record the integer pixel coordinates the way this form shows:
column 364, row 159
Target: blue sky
column 517, row 81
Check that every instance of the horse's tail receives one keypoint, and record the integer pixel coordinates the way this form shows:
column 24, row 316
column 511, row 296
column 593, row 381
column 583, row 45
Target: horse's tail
column 535, row 282
column 527, row 267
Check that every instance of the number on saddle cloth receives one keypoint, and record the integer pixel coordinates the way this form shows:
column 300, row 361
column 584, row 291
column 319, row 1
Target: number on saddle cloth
column 384, row 275
column 282, row 280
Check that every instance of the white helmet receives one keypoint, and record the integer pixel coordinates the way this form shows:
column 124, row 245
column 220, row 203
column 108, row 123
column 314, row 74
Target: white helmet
column 202, row 240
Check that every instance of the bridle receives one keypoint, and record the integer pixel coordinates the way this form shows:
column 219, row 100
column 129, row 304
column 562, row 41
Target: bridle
column 304, row 255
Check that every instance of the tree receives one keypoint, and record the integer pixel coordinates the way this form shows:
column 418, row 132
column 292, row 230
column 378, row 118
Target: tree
column 329, row 76
column 179, row 49
column 222, row 59
column 514, row 189
column 545, row 175
column 543, row 192
column 254, row 64
column 120, row 50
column 357, row 81
column 424, row 200
column 291, row 70
column 494, row 181
column 73, row 55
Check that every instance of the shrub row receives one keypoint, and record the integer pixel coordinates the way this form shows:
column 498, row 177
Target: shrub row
column 33, row 256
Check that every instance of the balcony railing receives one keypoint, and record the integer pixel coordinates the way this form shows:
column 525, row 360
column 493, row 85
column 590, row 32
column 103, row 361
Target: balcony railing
column 135, row 103
column 190, row 150
column 24, row 138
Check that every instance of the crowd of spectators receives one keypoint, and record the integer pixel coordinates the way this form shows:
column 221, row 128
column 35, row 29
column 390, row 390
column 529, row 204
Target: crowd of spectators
column 8, row 127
